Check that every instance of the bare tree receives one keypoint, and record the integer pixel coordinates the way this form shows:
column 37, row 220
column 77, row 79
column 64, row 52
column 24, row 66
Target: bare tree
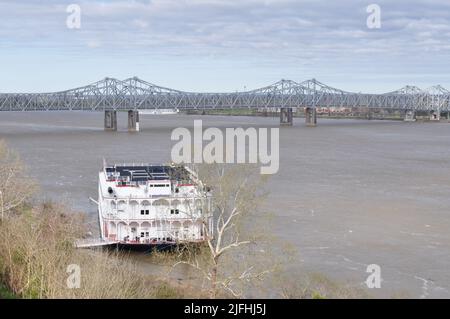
column 15, row 186
column 237, row 193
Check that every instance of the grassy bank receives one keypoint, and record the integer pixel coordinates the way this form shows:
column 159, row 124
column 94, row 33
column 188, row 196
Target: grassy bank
column 5, row 293
column 37, row 253
column 38, row 258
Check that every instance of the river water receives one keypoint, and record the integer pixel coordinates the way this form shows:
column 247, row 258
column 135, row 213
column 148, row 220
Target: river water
column 349, row 193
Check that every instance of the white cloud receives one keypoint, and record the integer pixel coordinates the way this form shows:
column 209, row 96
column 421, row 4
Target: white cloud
column 94, row 44
column 234, row 24
column 326, row 35
column 140, row 23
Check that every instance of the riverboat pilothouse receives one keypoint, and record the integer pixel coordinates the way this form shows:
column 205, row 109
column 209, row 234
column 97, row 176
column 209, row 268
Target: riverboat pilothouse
column 153, row 205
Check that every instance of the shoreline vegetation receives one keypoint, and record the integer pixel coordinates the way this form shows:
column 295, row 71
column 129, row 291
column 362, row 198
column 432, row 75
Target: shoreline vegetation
column 37, row 250
column 5, row 293
column 345, row 113
column 37, row 254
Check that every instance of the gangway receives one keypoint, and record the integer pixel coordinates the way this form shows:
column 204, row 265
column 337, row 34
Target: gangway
column 94, row 242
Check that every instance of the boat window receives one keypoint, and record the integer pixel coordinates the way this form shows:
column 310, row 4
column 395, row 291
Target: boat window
column 147, row 212
column 142, row 234
column 142, row 212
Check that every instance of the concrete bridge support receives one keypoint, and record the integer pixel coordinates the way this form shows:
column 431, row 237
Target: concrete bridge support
column 110, row 120
column 310, row 116
column 286, row 117
column 133, row 121
column 410, row 116
column 435, row 115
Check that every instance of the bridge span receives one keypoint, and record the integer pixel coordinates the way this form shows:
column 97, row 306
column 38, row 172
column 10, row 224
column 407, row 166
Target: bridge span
column 134, row 94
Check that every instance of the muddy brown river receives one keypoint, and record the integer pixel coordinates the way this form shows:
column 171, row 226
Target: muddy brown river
column 348, row 193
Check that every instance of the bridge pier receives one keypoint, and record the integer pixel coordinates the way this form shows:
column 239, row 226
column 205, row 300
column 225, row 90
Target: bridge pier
column 410, row 116
column 110, row 120
column 286, row 117
column 435, row 115
column 310, row 116
column 133, row 121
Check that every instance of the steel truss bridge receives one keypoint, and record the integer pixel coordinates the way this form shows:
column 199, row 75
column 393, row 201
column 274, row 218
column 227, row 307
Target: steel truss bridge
column 136, row 94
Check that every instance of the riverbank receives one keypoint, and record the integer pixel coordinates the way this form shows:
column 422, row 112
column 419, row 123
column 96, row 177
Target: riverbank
column 348, row 113
column 5, row 293
column 38, row 260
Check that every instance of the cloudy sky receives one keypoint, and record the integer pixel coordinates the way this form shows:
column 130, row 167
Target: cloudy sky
column 224, row 45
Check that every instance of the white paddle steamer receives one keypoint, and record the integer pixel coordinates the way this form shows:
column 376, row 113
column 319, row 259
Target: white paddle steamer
column 152, row 205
